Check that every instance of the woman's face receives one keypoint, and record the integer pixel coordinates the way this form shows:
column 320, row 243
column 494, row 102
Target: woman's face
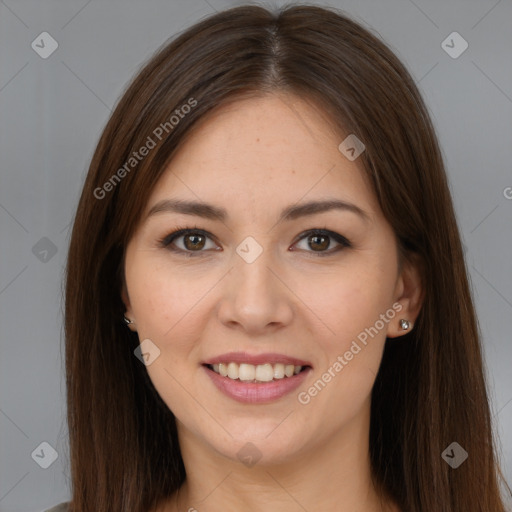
column 256, row 294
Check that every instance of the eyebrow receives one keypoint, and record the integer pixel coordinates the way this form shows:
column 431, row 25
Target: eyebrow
column 292, row 212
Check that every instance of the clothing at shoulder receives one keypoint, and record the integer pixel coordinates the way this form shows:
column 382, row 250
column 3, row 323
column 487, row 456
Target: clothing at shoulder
column 61, row 507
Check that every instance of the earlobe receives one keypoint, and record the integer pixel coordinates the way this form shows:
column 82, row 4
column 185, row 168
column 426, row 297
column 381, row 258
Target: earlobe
column 409, row 294
column 130, row 323
column 128, row 315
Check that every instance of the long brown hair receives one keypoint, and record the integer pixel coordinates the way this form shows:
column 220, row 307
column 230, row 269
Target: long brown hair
column 430, row 390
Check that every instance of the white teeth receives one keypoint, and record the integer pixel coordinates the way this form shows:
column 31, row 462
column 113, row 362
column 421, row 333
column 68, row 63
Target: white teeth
column 264, row 372
column 233, row 370
column 246, row 371
column 278, row 371
column 256, row 373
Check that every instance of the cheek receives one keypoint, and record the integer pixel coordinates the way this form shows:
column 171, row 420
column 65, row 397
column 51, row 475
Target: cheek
column 168, row 310
column 163, row 300
column 356, row 305
column 350, row 300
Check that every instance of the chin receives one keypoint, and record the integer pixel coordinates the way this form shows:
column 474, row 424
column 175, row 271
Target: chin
column 262, row 446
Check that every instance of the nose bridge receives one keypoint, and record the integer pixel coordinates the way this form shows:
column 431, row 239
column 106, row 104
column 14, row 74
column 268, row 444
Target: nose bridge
column 255, row 297
column 252, row 274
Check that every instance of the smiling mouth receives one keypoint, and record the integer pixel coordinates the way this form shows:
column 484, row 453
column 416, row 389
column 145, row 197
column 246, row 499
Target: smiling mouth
column 256, row 373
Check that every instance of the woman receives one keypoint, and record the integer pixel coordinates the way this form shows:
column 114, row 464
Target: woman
column 267, row 302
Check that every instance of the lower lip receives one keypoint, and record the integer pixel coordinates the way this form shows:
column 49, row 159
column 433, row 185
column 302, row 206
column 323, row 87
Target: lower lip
column 256, row 393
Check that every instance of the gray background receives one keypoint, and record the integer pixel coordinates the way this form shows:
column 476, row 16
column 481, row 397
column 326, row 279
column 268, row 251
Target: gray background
column 52, row 112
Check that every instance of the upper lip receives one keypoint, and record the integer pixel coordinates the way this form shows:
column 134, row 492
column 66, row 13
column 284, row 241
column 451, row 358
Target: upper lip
column 256, row 359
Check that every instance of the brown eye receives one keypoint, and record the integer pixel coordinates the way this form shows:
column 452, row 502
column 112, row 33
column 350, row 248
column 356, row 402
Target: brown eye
column 188, row 241
column 319, row 240
column 194, row 241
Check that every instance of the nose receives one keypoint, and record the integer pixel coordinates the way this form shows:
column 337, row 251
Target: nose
column 256, row 298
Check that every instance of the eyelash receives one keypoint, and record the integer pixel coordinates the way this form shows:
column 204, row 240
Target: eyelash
column 181, row 231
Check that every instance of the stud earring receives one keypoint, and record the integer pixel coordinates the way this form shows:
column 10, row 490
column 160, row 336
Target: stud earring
column 128, row 321
column 405, row 324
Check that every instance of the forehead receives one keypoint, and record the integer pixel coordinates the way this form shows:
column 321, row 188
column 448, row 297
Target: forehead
column 273, row 149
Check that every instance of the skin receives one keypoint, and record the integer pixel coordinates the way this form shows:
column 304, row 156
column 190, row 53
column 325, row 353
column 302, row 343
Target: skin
column 255, row 157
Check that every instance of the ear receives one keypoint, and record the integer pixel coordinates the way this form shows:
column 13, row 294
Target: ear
column 409, row 294
column 126, row 301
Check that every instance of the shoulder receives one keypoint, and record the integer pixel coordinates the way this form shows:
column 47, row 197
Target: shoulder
column 61, row 507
